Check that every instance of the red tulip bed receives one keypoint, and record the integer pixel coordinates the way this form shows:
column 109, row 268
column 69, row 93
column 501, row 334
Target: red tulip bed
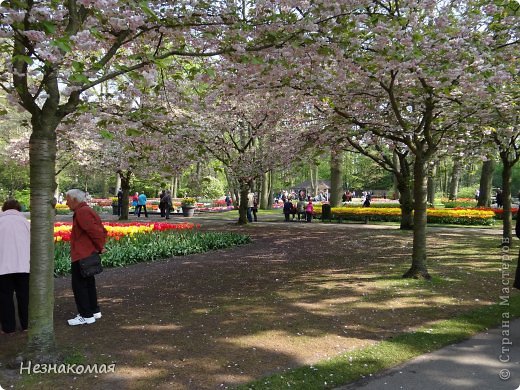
column 135, row 242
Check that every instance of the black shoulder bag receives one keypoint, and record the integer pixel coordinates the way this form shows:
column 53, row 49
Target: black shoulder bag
column 90, row 266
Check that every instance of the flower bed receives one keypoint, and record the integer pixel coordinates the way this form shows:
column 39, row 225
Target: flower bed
column 448, row 216
column 116, row 230
column 139, row 242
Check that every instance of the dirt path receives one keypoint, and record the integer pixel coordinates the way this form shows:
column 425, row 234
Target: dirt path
column 296, row 295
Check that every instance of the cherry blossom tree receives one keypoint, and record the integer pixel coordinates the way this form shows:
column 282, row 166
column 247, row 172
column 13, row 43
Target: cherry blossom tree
column 55, row 53
column 250, row 135
column 410, row 72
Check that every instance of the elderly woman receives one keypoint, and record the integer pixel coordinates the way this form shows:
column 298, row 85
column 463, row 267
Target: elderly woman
column 14, row 265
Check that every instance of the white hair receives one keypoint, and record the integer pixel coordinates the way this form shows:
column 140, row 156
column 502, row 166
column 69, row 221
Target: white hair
column 76, row 194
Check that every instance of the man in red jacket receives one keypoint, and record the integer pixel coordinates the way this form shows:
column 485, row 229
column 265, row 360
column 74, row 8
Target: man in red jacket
column 88, row 236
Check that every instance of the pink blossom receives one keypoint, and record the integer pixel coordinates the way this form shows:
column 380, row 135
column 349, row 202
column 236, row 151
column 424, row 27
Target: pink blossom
column 35, row 36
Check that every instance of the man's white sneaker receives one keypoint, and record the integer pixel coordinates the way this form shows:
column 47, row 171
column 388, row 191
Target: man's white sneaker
column 97, row 315
column 79, row 320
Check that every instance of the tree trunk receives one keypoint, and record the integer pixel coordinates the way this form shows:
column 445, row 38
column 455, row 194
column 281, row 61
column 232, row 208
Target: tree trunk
column 431, row 185
column 402, row 177
column 42, row 152
column 406, row 200
column 507, row 237
column 242, row 210
column 486, row 181
column 395, row 159
column 264, row 192
column 57, row 190
column 125, row 178
column 270, row 192
column 175, row 185
column 336, row 178
column 418, row 268
column 455, row 179
column 314, row 179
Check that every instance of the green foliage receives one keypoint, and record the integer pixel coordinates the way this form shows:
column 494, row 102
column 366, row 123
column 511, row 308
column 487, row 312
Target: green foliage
column 515, row 178
column 459, row 203
column 24, row 197
column 13, row 178
column 467, row 192
column 211, row 187
column 152, row 246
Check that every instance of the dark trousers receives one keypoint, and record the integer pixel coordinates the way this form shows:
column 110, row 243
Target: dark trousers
column 84, row 290
column 254, row 214
column 249, row 215
column 141, row 207
column 167, row 212
column 14, row 283
column 516, row 283
column 309, row 216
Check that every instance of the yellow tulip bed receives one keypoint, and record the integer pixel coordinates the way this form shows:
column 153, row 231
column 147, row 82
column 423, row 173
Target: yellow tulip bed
column 393, row 214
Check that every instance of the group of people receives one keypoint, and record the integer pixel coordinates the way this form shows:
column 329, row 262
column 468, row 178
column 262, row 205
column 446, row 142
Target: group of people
column 139, row 203
column 304, row 210
column 88, row 236
column 282, row 196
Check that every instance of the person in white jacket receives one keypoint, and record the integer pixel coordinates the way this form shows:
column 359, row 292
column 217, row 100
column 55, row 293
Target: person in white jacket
column 14, row 266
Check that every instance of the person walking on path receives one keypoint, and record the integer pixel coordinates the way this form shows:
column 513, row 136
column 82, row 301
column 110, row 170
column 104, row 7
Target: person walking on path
column 499, row 198
column 119, row 201
column 309, row 210
column 254, row 209
column 15, row 240
column 250, row 200
column 161, row 203
column 88, row 236
column 167, row 203
column 135, row 201
column 141, row 204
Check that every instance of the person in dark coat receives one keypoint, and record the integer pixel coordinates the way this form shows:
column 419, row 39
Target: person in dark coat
column 287, row 209
column 499, row 198
column 162, row 206
column 167, row 203
column 119, row 201
column 516, row 283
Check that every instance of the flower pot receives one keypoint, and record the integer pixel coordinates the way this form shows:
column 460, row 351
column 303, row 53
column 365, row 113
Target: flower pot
column 188, row 211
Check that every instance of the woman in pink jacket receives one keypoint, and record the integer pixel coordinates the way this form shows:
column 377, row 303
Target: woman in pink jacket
column 309, row 211
column 14, row 265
